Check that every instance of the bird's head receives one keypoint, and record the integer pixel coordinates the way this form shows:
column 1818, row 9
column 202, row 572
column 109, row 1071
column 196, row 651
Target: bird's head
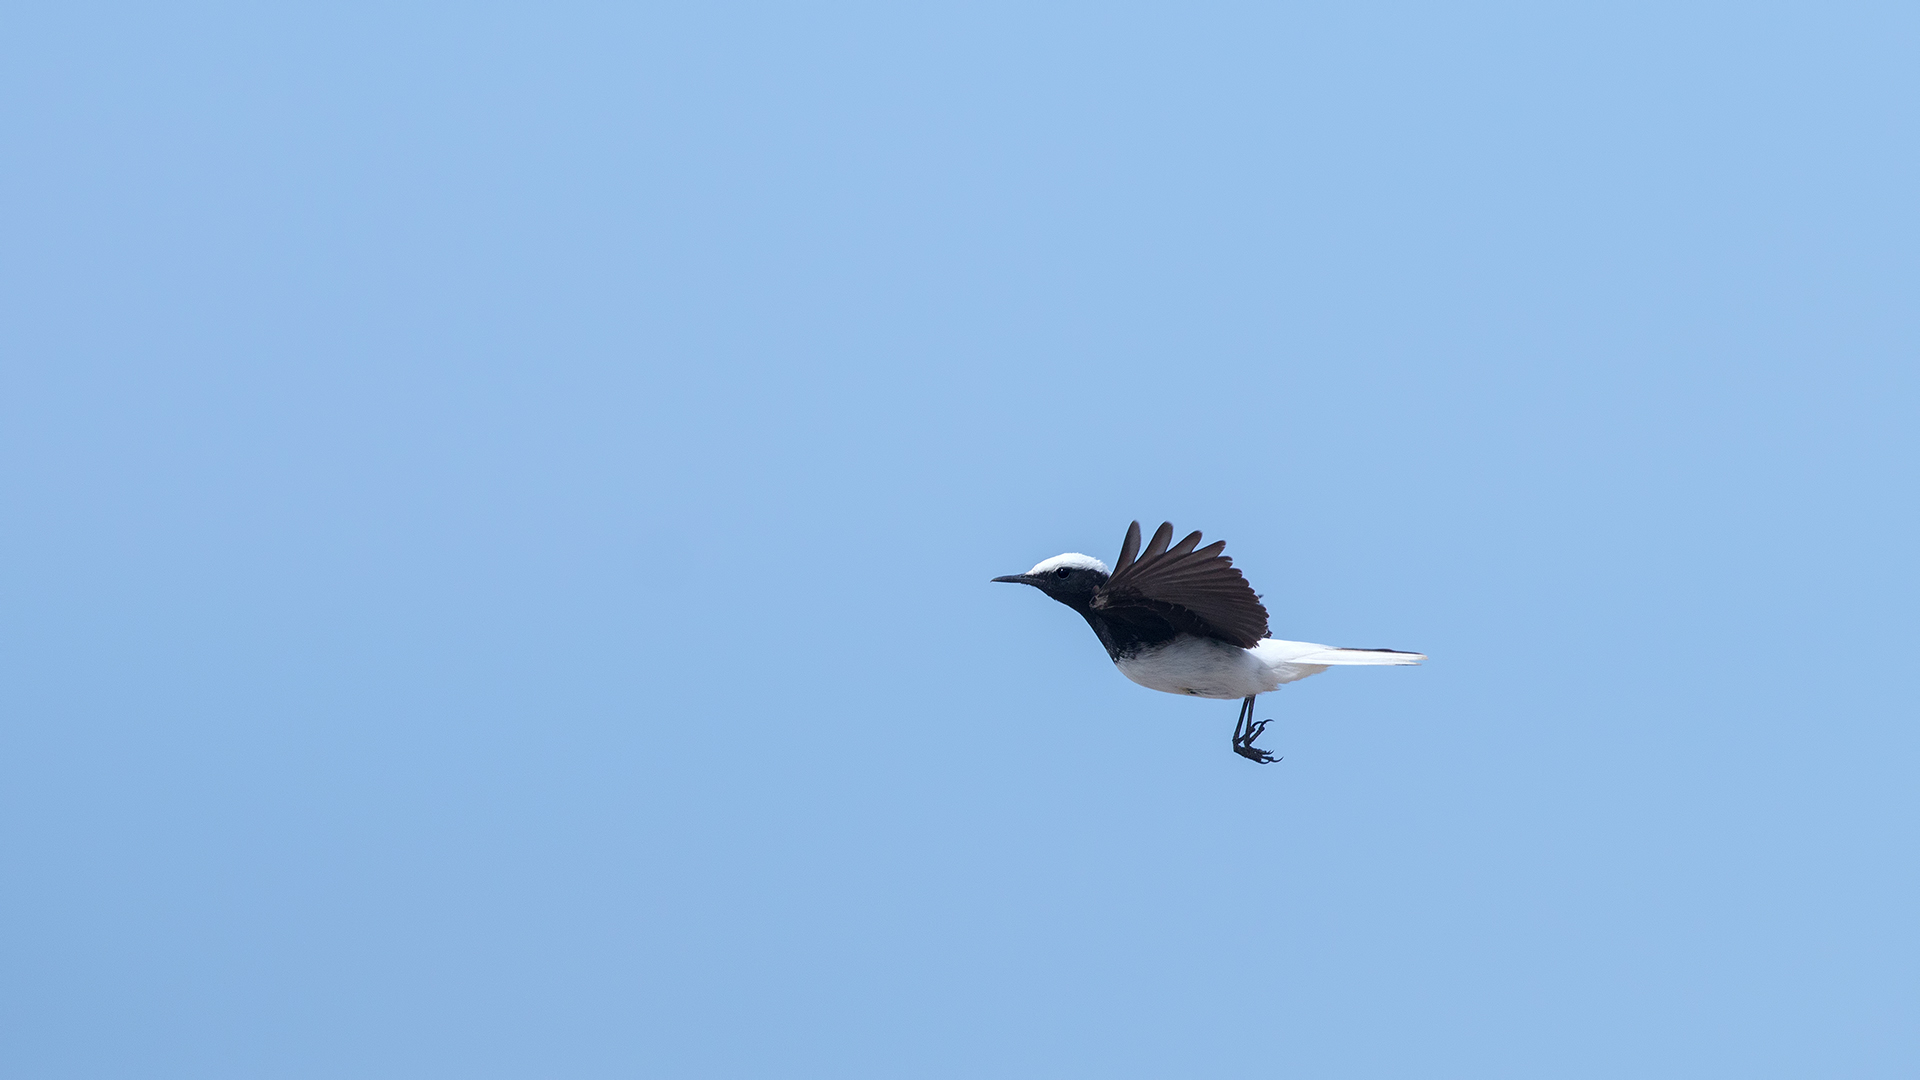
column 1069, row 578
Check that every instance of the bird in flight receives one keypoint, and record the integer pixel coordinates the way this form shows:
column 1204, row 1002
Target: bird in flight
column 1182, row 620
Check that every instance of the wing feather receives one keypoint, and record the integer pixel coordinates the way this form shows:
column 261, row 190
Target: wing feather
column 1191, row 591
column 1157, row 546
column 1129, row 548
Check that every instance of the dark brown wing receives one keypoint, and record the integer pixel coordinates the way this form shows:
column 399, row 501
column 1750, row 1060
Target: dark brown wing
column 1192, row 591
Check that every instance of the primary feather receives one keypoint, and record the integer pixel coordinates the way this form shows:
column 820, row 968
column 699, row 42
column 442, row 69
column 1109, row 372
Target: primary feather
column 1180, row 589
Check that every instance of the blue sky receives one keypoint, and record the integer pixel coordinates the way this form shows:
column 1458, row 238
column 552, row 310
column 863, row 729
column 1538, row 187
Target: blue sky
column 500, row 505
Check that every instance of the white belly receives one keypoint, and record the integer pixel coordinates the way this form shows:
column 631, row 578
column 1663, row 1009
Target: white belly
column 1202, row 667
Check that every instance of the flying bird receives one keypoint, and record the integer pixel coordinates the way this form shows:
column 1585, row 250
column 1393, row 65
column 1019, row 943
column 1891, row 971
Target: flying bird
column 1182, row 620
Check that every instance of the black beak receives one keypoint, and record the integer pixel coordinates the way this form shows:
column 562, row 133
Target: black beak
column 1017, row 579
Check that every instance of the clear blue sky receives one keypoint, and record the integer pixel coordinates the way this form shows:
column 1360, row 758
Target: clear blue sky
column 499, row 504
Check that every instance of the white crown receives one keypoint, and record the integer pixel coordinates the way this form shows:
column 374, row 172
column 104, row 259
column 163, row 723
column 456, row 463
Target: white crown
column 1072, row 560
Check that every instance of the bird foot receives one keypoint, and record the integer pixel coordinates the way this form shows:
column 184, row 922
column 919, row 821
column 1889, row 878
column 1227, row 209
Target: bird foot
column 1243, row 745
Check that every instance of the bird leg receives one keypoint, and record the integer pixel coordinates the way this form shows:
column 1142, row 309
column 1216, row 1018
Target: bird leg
column 1245, row 731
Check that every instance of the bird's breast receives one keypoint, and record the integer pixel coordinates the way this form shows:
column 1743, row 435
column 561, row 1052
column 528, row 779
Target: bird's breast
column 1198, row 667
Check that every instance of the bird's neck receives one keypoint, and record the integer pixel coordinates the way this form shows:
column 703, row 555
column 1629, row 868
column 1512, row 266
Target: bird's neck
column 1123, row 638
column 1103, row 630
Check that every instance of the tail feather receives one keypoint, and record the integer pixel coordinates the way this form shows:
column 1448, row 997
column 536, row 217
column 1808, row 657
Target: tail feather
column 1358, row 657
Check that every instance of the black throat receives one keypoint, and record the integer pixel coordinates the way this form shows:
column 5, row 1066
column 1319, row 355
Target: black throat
column 1120, row 638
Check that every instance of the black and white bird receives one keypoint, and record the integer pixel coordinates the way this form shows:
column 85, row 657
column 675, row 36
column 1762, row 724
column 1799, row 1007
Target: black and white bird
column 1182, row 620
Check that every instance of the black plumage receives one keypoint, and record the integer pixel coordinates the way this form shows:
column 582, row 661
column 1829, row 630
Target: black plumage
column 1179, row 590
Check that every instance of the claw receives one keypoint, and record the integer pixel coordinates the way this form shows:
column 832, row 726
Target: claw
column 1245, row 730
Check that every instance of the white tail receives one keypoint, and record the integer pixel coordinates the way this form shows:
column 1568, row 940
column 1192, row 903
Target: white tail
column 1291, row 661
column 1357, row 657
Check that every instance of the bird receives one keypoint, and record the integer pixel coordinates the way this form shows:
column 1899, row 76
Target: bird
column 1179, row 618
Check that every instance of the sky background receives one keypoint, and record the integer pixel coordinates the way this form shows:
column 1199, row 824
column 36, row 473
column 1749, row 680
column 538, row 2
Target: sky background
column 499, row 503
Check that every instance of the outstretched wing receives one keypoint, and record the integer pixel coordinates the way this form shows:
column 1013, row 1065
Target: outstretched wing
column 1187, row 590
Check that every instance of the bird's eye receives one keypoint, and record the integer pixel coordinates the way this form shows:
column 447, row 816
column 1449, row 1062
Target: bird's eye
column 1062, row 572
